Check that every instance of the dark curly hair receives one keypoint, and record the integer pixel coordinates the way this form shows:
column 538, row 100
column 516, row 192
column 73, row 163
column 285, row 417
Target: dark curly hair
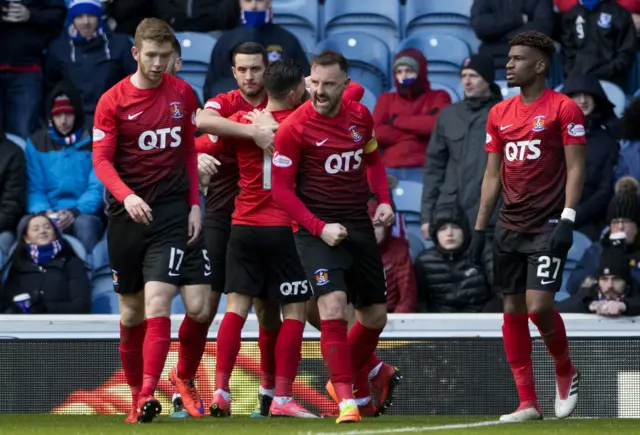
column 534, row 39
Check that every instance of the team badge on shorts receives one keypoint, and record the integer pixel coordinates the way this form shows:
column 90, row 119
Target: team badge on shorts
column 322, row 276
column 538, row 123
column 174, row 109
column 114, row 278
column 354, row 134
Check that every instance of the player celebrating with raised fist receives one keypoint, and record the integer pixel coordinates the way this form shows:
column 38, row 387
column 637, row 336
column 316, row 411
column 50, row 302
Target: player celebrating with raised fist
column 144, row 154
column 536, row 145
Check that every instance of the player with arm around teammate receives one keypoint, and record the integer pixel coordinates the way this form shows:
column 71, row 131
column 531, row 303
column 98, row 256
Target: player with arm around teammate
column 536, row 147
column 144, row 154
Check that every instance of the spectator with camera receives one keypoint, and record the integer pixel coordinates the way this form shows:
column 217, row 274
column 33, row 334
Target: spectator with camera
column 89, row 56
column 448, row 281
column 61, row 179
column 623, row 216
column 615, row 292
column 44, row 274
column 26, row 27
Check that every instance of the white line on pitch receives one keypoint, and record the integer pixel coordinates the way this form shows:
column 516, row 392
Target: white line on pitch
column 408, row 429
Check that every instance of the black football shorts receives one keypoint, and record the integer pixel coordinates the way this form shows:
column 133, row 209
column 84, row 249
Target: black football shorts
column 216, row 236
column 521, row 261
column 196, row 268
column 139, row 253
column 354, row 266
column 262, row 262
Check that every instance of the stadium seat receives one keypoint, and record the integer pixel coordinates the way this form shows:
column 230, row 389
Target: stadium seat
column 414, row 229
column 369, row 99
column 449, row 16
column 103, row 299
column 451, row 91
column 369, row 58
column 447, row 79
column 507, row 92
column 614, row 94
column 100, row 259
column 177, row 306
column 444, row 53
column 375, row 17
column 407, row 196
column 300, row 17
column 580, row 244
column 17, row 140
column 196, row 53
column 415, row 245
column 77, row 247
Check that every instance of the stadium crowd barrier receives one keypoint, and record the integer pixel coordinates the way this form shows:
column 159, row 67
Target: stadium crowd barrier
column 452, row 365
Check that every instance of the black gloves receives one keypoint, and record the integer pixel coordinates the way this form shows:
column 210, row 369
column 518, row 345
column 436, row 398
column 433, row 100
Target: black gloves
column 561, row 239
column 476, row 248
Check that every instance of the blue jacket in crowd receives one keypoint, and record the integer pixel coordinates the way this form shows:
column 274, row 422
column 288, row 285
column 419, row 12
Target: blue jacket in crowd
column 60, row 174
column 629, row 159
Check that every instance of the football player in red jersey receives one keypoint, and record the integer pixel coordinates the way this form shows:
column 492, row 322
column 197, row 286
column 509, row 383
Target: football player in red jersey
column 324, row 155
column 536, row 146
column 262, row 261
column 144, row 154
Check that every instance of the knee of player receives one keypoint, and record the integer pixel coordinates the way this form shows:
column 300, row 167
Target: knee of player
column 239, row 304
column 158, row 298
column 332, row 306
column 268, row 313
column 539, row 302
column 295, row 311
column 132, row 309
column 375, row 317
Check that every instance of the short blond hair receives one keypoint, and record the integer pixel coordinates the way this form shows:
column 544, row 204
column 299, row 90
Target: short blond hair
column 153, row 29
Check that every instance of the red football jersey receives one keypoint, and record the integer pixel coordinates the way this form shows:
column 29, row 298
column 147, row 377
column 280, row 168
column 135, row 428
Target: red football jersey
column 254, row 204
column 143, row 142
column 327, row 156
column 224, row 185
column 532, row 138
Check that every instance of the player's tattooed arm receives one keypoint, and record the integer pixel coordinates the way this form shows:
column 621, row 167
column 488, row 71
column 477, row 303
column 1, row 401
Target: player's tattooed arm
column 490, row 190
column 575, row 156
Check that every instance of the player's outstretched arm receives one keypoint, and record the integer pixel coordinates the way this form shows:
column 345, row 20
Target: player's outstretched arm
column 490, row 190
column 211, row 122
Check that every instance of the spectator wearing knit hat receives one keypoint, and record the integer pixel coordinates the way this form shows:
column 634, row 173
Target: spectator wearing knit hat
column 404, row 119
column 60, row 176
column 89, row 56
column 623, row 216
column 614, row 293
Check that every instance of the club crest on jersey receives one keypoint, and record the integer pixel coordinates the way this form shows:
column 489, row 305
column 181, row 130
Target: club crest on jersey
column 354, row 134
column 538, row 123
column 175, row 110
column 322, row 277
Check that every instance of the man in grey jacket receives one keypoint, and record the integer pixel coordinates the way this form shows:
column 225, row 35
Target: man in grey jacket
column 456, row 158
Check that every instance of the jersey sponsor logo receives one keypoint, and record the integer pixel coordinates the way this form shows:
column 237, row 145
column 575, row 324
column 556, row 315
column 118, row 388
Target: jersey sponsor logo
column 150, row 139
column 98, row 135
column 489, row 138
column 175, row 110
column 538, row 123
column 357, row 137
column 213, row 105
column 294, row 288
column 522, row 150
column 133, row 116
column 322, row 277
column 281, row 161
column 345, row 162
column 575, row 130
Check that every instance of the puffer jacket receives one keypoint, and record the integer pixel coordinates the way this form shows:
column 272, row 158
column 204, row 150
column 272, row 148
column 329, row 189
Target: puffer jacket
column 448, row 282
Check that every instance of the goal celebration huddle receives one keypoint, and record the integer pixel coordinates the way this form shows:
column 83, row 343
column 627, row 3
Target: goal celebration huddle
column 288, row 165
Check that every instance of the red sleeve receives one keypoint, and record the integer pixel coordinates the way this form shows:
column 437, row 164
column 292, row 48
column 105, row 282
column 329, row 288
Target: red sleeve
column 190, row 153
column 221, row 104
column 105, row 143
column 354, row 92
column 209, row 144
column 406, row 279
column 494, row 143
column 422, row 124
column 288, row 150
column 376, row 174
column 572, row 123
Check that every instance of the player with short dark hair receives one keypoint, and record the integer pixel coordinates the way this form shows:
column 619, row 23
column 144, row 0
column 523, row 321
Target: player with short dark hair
column 144, row 154
column 536, row 146
column 262, row 261
column 319, row 178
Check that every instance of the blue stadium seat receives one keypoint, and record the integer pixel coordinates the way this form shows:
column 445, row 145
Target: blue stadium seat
column 196, row 53
column 376, row 17
column 222, row 306
column 614, row 94
column 369, row 99
column 100, row 259
column 77, row 247
column 17, row 140
column 507, row 92
column 177, row 306
column 103, row 299
column 451, row 91
column 369, row 58
column 580, row 244
column 413, row 228
column 448, row 16
column 300, row 17
column 407, row 196
column 444, row 53
column 415, row 245
column 447, row 79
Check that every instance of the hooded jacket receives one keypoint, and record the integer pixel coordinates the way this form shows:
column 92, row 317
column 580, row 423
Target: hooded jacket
column 601, row 42
column 199, row 15
column 403, row 123
column 398, row 270
column 629, row 132
column 602, row 151
column 13, row 183
column 60, row 174
column 448, row 282
column 92, row 66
